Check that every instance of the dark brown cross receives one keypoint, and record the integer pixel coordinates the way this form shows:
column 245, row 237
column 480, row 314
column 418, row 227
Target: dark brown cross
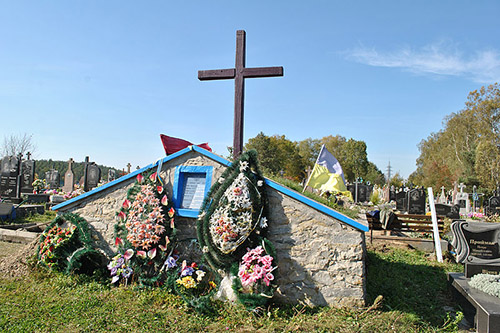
column 239, row 74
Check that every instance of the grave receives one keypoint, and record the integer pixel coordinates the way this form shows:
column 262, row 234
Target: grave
column 91, row 175
column 300, row 229
column 462, row 199
column 111, row 175
column 9, row 177
column 69, row 178
column 53, row 179
column 416, row 201
column 476, row 245
column 320, row 252
column 401, row 200
column 364, row 192
column 27, row 175
column 493, row 206
column 451, row 211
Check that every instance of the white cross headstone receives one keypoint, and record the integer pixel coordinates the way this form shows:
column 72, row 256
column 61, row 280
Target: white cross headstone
column 442, row 197
column 462, row 200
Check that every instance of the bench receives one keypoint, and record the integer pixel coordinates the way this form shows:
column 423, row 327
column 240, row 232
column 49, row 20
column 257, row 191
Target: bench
column 406, row 223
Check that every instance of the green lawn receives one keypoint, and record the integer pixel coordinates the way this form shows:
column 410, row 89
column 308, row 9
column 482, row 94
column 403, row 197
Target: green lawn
column 413, row 287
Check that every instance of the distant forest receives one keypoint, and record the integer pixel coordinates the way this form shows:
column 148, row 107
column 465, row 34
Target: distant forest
column 42, row 166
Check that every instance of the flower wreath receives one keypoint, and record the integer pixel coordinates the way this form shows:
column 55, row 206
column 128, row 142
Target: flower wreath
column 231, row 229
column 145, row 234
column 66, row 245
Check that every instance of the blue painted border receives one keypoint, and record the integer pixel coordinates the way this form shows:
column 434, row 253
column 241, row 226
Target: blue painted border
column 179, row 179
column 316, row 205
column 135, row 173
column 297, row 196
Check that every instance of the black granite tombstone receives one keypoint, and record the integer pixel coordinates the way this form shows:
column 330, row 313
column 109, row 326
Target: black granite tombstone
column 401, row 201
column 53, row 179
column 416, row 201
column 477, row 245
column 93, row 176
column 27, row 176
column 9, row 177
column 493, row 206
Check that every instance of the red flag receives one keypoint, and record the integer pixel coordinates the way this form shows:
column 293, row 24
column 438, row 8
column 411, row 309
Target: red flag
column 173, row 145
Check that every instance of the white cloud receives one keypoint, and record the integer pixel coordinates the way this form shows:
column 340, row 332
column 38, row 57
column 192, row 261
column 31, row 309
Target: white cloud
column 436, row 59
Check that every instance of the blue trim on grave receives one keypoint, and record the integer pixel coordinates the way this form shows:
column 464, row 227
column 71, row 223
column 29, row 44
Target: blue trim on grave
column 135, row 173
column 297, row 196
column 316, row 205
column 181, row 171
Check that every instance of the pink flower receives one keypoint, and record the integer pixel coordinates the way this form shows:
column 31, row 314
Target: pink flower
column 152, row 177
column 118, row 241
column 164, row 200
column 122, row 215
column 141, row 254
column 128, row 254
column 126, row 204
column 159, row 189
column 171, row 212
column 152, row 253
column 140, row 178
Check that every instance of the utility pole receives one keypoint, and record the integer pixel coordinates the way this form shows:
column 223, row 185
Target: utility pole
column 389, row 168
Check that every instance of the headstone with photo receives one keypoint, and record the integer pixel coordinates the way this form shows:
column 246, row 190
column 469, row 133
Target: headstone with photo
column 493, row 206
column 92, row 176
column 53, row 179
column 416, row 201
column 69, row 178
column 392, row 193
column 27, row 176
column 9, row 177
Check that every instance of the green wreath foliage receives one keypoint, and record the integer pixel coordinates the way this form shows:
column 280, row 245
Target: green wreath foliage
column 146, row 234
column 216, row 198
column 66, row 245
column 244, row 172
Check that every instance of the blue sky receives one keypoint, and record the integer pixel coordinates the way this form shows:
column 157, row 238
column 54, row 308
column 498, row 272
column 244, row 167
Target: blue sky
column 106, row 78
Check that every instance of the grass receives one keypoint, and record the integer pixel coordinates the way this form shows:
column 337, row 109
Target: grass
column 414, row 290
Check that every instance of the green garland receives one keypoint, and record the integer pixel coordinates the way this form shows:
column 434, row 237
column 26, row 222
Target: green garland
column 222, row 211
column 69, row 249
column 216, row 198
column 146, row 229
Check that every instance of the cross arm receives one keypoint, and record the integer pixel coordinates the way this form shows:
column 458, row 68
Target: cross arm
column 262, row 72
column 216, row 74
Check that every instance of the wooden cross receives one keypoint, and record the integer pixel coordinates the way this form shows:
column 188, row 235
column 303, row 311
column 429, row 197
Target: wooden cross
column 29, row 155
column 239, row 74
column 128, row 167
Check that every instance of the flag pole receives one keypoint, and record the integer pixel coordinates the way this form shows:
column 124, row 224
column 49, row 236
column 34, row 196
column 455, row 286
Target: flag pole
column 309, row 178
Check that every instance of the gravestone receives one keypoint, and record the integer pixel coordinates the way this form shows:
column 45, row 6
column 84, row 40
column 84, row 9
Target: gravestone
column 69, row 178
column 401, row 201
column 27, row 176
column 442, row 197
column 462, row 200
column 416, row 201
column 493, row 206
column 111, row 175
column 93, row 176
column 9, row 179
column 450, row 211
column 392, row 194
column 53, row 179
column 477, row 245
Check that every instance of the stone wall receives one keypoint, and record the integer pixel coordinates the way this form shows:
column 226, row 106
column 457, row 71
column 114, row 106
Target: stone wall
column 321, row 261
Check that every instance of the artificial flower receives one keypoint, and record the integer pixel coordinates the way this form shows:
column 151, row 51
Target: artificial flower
column 140, row 178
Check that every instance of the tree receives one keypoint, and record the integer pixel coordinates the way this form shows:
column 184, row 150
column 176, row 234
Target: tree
column 374, row 175
column 14, row 145
column 465, row 150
